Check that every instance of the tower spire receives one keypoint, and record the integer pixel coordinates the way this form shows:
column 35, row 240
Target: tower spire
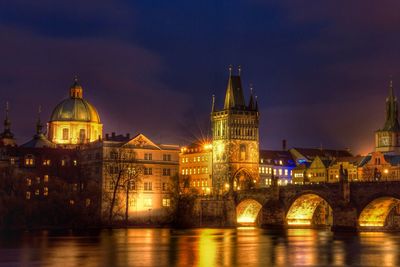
column 251, row 101
column 213, row 103
column 7, row 122
column 391, row 123
column 39, row 125
column 76, row 90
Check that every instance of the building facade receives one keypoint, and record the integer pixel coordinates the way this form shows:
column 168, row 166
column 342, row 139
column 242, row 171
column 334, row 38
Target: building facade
column 195, row 168
column 235, row 140
column 142, row 175
column 275, row 164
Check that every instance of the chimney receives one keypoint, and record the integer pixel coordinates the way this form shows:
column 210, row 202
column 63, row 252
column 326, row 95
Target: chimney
column 128, row 136
column 113, row 134
column 284, row 144
column 107, row 136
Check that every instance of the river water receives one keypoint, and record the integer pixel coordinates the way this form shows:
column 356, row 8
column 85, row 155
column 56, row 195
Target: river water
column 200, row 247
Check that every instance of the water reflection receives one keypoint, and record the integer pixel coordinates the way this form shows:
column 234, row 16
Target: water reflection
column 200, row 247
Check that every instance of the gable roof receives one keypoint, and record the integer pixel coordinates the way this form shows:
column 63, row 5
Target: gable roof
column 311, row 153
column 142, row 141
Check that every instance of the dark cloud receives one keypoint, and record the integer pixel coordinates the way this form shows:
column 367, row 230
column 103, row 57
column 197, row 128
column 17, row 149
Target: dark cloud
column 320, row 68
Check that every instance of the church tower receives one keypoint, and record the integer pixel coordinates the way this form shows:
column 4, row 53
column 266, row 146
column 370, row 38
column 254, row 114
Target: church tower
column 387, row 139
column 235, row 139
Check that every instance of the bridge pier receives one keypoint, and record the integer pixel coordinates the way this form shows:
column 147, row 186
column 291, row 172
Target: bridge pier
column 273, row 215
column 345, row 219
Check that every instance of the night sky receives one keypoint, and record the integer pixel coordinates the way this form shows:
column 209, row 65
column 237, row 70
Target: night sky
column 320, row 69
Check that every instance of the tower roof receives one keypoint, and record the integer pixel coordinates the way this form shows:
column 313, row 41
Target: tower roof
column 234, row 98
column 391, row 122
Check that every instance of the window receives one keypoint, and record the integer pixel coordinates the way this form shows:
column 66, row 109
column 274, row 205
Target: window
column 71, row 202
column 12, row 161
column 167, row 157
column 65, row 134
column 46, row 162
column 28, row 182
column 46, row 178
column 111, row 185
column 29, row 160
column 148, row 171
column 148, row 156
column 243, row 152
column 37, row 192
column 63, row 162
column 132, row 202
column 132, row 185
column 28, row 195
column 166, row 172
column 148, row 202
column 166, row 202
column 148, row 186
column 113, row 155
column 45, row 191
column 38, row 180
column 280, row 171
column 75, row 187
column 164, row 186
column 75, row 162
column 286, row 172
column 82, row 135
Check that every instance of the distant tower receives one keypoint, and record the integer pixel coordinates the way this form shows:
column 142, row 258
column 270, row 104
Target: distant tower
column 7, row 137
column 387, row 139
column 235, row 139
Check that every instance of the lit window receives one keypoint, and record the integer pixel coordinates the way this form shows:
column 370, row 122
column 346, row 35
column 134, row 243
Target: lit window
column 37, row 192
column 65, row 134
column 166, row 172
column 280, row 171
column 63, row 162
column 28, row 182
column 274, row 171
column 75, row 162
column 280, row 162
column 166, row 202
column 148, row 202
column 45, row 191
column 132, row 185
column 46, row 178
column 46, row 162
column 132, row 202
column 167, row 157
column 148, row 171
column 183, row 171
column 28, row 195
column 38, row 180
column 148, row 186
column 12, row 161
column 87, row 202
column 29, row 160
column 148, row 156
column 286, row 172
column 71, row 202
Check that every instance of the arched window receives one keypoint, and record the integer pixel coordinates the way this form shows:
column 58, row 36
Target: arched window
column 65, row 134
column 82, row 135
column 243, row 152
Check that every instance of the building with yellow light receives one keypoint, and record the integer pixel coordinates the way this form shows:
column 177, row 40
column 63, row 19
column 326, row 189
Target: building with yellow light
column 74, row 121
column 144, row 174
column 195, row 168
column 235, row 139
column 350, row 164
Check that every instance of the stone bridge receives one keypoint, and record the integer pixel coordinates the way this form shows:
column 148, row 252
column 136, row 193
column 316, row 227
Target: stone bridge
column 343, row 206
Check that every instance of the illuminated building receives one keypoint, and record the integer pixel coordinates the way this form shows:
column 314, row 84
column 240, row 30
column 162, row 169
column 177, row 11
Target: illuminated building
column 74, row 121
column 387, row 139
column 235, row 139
column 379, row 166
column 350, row 164
column 275, row 164
column 150, row 193
column 312, row 164
column 195, row 168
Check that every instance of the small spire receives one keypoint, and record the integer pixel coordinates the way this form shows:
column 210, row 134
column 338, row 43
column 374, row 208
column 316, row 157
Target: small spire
column 7, row 122
column 230, row 70
column 213, row 103
column 39, row 125
column 256, row 98
column 252, row 100
column 239, row 70
column 391, row 90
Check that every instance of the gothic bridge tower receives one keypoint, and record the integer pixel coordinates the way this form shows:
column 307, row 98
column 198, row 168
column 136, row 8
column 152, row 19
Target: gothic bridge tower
column 387, row 139
column 235, row 139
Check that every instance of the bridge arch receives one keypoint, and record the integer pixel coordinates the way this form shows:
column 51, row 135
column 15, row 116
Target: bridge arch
column 243, row 180
column 247, row 212
column 309, row 209
column 377, row 213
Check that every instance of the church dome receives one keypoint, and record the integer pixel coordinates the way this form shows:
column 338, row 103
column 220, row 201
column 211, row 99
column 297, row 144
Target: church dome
column 75, row 108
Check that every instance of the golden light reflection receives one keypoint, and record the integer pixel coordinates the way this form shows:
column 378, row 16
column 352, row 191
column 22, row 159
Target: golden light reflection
column 207, row 248
column 247, row 211
column 376, row 212
column 302, row 210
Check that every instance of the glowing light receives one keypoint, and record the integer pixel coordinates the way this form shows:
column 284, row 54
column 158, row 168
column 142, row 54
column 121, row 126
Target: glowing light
column 386, row 171
column 376, row 212
column 302, row 210
column 207, row 146
column 247, row 211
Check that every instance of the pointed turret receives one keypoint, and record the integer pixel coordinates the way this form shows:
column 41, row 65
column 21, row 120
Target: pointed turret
column 234, row 98
column 39, row 140
column 7, row 137
column 392, row 122
column 213, row 103
column 252, row 102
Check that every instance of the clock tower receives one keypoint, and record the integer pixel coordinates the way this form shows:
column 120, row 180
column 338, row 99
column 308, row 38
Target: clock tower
column 387, row 139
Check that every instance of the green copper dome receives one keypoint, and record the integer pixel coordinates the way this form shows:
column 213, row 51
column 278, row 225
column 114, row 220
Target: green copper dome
column 75, row 108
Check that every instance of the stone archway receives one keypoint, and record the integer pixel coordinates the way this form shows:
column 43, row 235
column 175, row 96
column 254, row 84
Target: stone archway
column 381, row 212
column 309, row 210
column 243, row 180
column 247, row 212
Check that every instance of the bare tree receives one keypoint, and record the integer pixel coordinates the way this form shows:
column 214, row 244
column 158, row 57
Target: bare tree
column 123, row 171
